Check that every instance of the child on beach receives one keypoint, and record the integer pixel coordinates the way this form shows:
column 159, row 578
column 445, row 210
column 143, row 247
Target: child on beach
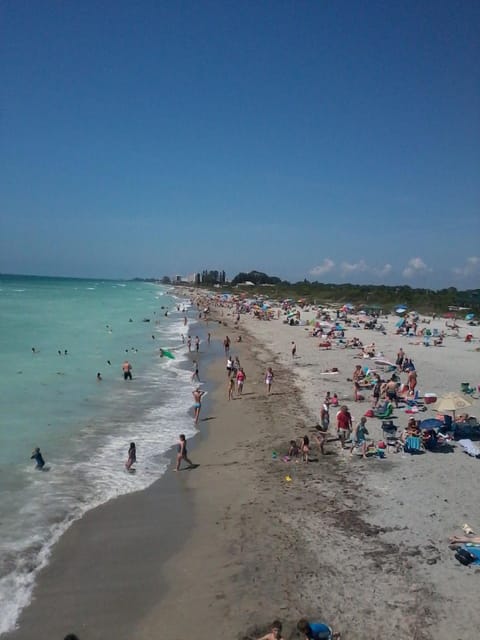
column 132, row 457
column 182, row 452
column 315, row 630
column 305, row 448
column 269, row 379
column 275, row 633
column 294, row 450
column 359, row 438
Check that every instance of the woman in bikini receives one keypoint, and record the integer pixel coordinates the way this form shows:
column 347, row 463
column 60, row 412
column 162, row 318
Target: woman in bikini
column 197, row 402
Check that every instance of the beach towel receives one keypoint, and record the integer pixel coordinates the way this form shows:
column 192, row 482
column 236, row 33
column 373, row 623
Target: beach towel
column 467, row 555
column 470, row 448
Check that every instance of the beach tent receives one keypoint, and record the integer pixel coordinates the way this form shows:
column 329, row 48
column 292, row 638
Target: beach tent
column 469, row 316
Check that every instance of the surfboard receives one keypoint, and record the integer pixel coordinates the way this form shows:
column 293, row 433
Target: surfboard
column 167, row 354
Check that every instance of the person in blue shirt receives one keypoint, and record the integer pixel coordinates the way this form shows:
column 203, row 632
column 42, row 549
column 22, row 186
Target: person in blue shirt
column 315, row 630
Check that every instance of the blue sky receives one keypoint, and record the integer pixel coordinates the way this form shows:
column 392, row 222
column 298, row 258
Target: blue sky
column 329, row 140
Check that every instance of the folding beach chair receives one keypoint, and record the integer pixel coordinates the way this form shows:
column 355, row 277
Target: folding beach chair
column 389, row 431
column 387, row 413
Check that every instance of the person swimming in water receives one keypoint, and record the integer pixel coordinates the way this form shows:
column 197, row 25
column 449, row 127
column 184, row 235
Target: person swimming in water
column 37, row 456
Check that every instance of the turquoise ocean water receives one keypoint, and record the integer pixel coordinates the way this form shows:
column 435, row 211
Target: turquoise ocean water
column 83, row 426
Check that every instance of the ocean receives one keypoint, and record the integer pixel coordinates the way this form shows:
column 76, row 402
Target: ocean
column 56, row 334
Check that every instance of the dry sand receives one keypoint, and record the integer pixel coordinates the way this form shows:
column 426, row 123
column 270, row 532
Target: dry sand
column 220, row 551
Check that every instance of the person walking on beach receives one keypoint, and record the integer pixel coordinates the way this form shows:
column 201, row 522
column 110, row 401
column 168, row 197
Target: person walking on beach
column 226, row 345
column 344, row 425
column 189, row 343
column 359, row 438
column 241, row 377
column 132, row 457
column 209, row 337
column 37, row 456
column 197, row 344
column 127, row 370
column 294, row 349
column 269, row 379
column 182, row 452
column 197, row 405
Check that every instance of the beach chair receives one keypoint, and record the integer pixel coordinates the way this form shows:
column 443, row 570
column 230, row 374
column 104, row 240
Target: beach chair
column 386, row 414
column 389, row 431
column 413, row 444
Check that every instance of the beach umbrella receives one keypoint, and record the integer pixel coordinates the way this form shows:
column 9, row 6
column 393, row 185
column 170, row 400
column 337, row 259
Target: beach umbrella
column 452, row 401
column 469, row 316
column 431, row 423
column 401, row 309
column 400, row 323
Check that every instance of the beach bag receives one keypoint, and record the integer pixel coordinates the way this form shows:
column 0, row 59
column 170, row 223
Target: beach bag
column 369, row 413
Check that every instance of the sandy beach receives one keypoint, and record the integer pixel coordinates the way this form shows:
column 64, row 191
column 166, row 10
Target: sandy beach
column 223, row 549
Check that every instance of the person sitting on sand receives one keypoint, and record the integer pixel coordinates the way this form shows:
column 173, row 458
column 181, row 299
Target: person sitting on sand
column 275, row 633
column 464, row 539
column 315, row 630
column 294, row 450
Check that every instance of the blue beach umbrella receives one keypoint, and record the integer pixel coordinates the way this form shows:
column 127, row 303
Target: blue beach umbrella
column 469, row 316
column 401, row 309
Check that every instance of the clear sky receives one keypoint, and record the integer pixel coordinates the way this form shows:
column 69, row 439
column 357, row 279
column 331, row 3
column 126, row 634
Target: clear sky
column 332, row 140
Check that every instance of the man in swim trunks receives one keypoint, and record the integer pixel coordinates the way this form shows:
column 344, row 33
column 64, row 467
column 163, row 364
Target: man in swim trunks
column 391, row 390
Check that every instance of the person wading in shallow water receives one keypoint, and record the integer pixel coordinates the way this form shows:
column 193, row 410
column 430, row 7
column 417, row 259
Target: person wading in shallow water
column 197, row 402
column 182, row 452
